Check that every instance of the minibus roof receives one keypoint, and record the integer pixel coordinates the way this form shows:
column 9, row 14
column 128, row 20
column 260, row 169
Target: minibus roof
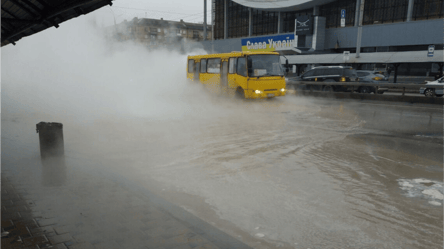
column 232, row 54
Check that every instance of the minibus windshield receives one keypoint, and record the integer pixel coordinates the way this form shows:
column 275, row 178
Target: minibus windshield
column 264, row 65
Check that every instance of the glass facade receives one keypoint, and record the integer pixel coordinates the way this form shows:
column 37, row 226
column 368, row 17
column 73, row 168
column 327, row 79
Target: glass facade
column 238, row 20
column 266, row 22
column 428, row 9
column 385, row 11
column 332, row 13
column 218, row 16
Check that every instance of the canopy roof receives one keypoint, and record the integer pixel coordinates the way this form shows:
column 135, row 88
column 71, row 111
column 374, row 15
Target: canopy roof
column 282, row 5
column 378, row 57
column 22, row 18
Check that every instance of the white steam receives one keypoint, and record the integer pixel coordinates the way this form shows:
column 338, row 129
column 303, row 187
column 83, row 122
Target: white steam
column 74, row 71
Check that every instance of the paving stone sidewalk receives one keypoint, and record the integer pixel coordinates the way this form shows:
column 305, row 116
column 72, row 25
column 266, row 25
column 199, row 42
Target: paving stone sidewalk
column 19, row 227
column 86, row 212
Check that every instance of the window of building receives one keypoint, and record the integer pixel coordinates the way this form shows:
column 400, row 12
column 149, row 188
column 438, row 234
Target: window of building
column 218, row 19
column 385, row 11
column 237, row 20
column 241, row 66
column 428, row 9
column 213, row 65
column 190, row 66
column 232, row 65
column 332, row 13
column 203, row 65
column 195, row 34
column 264, row 22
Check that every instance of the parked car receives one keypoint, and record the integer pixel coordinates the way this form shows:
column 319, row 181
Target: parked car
column 327, row 74
column 428, row 89
column 382, row 73
column 372, row 77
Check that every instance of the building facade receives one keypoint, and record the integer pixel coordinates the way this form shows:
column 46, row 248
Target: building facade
column 155, row 33
column 387, row 26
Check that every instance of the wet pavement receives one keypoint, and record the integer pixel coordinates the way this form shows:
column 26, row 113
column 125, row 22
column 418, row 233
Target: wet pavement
column 294, row 172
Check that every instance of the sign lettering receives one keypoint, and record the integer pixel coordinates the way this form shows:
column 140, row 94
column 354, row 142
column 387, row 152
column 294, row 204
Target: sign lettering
column 268, row 43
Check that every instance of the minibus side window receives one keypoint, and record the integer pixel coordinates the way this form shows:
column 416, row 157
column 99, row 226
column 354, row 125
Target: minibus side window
column 232, row 65
column 203, row 65
column 241, row 67
column 213, row 65
column 190, row 66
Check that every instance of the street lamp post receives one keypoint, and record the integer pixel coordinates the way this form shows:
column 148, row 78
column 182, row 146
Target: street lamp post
column 205, row 21
column 361, row 18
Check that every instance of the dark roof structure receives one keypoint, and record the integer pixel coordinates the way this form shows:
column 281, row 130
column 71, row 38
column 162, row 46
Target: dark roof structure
column 21, row 18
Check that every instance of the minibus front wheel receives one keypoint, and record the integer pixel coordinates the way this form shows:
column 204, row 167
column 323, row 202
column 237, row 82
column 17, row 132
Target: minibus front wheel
column 240, row 93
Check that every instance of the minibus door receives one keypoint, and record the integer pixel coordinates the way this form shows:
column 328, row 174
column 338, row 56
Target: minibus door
column 224, row 76
column 197, row 71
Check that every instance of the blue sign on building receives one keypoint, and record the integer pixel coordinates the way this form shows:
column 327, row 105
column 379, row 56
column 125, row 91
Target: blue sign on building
column 431, row 50
column 343, row 13
column 268, row 43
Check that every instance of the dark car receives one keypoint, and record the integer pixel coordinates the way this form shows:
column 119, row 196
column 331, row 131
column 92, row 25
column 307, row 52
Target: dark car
column 327, row 74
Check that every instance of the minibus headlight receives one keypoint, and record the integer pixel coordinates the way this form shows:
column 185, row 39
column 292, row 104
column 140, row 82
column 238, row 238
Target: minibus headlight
column 283, row 90
column 258, row 92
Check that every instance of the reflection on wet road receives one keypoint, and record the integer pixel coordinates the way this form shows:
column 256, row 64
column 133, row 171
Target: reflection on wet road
column 316, row 175
column 294, row 172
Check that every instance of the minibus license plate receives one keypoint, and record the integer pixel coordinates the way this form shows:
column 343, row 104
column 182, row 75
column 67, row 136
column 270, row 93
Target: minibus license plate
column 270, row 95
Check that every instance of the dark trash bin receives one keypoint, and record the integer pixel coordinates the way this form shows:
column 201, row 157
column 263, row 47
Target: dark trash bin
column 51, row 139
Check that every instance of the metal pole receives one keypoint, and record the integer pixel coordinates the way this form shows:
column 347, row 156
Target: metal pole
column 250, row 23
column 0, row 55
column 357, row 13
column 205, row 21
column 410, row 10
column 361, row 17
column 225, row 20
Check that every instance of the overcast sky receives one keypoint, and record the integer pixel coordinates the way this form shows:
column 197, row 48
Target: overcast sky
column 188, row 10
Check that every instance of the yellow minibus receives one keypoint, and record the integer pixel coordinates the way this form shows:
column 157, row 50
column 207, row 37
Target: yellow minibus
column 250, row 75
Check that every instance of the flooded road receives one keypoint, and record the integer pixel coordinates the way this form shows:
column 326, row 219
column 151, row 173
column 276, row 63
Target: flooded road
column 292, row 172
column 317, row 175
column 312, row 174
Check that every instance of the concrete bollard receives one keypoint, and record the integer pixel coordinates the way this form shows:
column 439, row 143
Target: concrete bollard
column 51, row 139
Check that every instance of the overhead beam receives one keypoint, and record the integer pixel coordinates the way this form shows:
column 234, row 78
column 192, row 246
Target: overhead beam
column 23, row 7
column 19, row 21
column 9, row 13
column 6, row 28
column 79, row 11
column 44, row 4
column 34, row 7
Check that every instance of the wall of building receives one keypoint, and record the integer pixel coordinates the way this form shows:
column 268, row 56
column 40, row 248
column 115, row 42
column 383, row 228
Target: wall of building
column 393, row 34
